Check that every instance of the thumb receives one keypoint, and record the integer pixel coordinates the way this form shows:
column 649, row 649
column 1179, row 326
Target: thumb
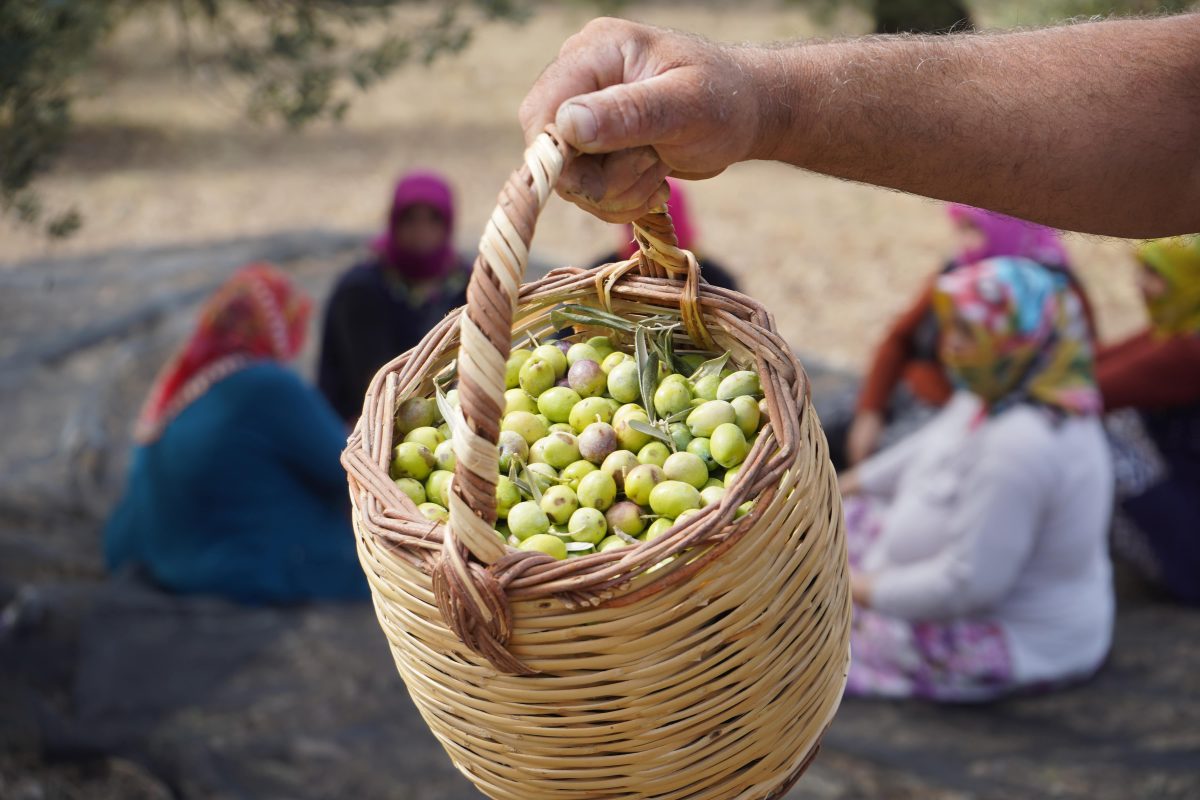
column 623, row 116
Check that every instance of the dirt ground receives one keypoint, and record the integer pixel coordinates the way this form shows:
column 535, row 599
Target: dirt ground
column 163, row 157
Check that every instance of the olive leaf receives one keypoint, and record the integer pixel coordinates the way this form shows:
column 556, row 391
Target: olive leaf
column 574, row 313
column 452, row 414
column 525, row 482
column 579, row 547
column 711, row 367
column 647, row 363
column 653, row 430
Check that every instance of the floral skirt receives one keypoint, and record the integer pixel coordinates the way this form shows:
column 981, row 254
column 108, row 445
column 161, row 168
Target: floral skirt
column 951, row 661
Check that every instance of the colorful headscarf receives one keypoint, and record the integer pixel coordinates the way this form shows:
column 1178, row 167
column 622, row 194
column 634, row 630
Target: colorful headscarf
column 257, row 315
column 1008, row 236
column 681, row 218
column 419, row 189
column 1177, row 261
column 1031, row 336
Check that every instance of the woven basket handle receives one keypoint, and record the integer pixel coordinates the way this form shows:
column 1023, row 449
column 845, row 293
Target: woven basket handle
column 486, row 333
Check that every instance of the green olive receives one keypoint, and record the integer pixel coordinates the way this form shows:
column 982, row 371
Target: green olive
column 628, row 437
column 729, row 445
column 746, row 409
column 680, row 434
column 672, row 498
column 581, row 351
column 742, row 382
column 557, row 449
column 425, row 435
column 654, row 453
column 413, row 488
column 587, row 525
column 623, row 382
column 625, row 516
column 702, row 448
column 507, row 496
column 559, row 503
column 618, row 465
column 657, row 529
column 415, row 412
column 706, row 387
column 573, row 473
column 612, row 360
column 433, row 511
column 519, row 400
column 546, row 543
column 686, row 467
column 556, row 403
column 553, row 355
column 610, row 543
column 671, row 397
column 527, row 425
column 597, row 490
column 705, row 419
column 537, row 376
column 512, row 369
column 437, row 487
column 640, row 482
column 412, row 460
column 527, row 519
column 602, row 345
column 711, row 496
column 589, row 410
column 444, row 456
column 511, row 446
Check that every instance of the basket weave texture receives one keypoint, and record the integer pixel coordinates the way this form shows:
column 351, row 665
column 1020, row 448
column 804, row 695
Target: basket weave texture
column 704, row 664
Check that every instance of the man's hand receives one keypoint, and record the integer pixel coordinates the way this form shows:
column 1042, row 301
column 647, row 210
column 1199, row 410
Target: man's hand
column 1090, row 127
column 644, row 103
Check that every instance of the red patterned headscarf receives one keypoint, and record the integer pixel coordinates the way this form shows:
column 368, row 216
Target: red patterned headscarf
column 257, row 315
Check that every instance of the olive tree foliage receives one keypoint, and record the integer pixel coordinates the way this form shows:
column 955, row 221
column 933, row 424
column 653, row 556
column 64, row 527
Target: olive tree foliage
column 301, row 60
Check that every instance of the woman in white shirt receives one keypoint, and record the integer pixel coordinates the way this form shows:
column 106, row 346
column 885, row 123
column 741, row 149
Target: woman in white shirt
column 978, row 545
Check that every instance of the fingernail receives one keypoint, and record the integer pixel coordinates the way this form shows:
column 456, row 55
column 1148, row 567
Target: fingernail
column 577, row 123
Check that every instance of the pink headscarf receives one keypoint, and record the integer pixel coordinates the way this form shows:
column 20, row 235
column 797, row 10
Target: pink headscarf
column 677, row 207
column 1008, row 236
column 414, row 189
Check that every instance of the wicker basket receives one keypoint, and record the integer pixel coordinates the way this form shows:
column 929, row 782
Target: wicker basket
column 629, row 673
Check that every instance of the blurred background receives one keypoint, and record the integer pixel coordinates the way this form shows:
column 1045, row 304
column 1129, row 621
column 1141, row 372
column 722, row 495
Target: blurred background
column 148, row 149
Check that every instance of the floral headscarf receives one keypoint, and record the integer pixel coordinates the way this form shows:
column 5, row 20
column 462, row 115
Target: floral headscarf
column 1031, row 340
column 257, row 315
column 1176, row 261
column 1008, row 236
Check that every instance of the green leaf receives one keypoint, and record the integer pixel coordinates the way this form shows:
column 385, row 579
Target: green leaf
column 576, row 314
column 653, row 430
column 452, row 414
column 711, row 367
column 647, row 362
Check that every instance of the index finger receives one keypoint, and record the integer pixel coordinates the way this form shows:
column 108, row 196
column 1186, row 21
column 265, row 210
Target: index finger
column 588, row 61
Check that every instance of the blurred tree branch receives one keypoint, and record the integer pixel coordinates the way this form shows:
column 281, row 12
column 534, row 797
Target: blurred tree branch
column 302, row 60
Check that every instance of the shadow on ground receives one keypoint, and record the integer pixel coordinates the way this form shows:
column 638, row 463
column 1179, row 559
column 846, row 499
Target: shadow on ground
column 109, row 689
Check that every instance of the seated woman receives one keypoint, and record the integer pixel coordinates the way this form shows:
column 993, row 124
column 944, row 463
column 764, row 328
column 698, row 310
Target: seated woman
column 1154, row 377
column 979, row 563
column 382, row 307
column 908, row 352
column 685, row 230
column 235, row 487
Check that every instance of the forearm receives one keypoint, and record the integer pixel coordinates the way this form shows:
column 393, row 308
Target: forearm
column 1092, row 127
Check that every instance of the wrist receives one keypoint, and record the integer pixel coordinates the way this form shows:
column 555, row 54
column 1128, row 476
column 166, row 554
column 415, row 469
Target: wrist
column 780, row 79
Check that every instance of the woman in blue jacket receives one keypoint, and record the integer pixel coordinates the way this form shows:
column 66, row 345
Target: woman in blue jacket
column 235, row 487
